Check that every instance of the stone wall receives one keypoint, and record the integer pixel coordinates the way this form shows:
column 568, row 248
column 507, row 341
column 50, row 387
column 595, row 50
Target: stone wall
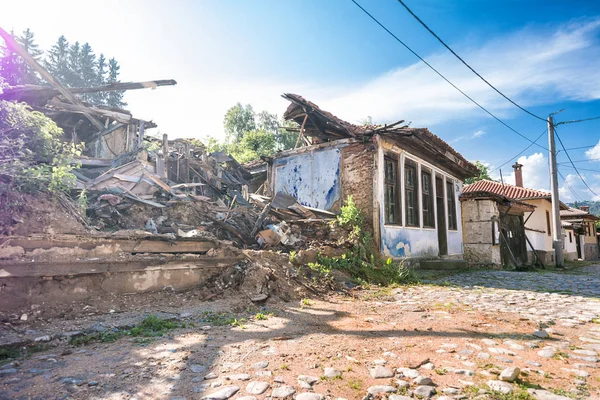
column 477, row 232
column 358, row 163
column 591, row 251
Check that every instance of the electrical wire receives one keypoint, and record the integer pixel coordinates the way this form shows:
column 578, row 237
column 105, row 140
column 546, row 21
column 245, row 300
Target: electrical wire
column 578, row 120
column 522, row 151
column 583, row 147
column 443, row 77
column 574, row 167
column 569, row 186
column 580, row 161
column 465, row 63
column 581, row 169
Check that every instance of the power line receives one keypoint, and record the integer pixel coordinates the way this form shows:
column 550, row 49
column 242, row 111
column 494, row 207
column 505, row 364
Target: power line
column 576, row 120
column 443, row 77
column 582, row 147
column 465, row 63
column 522, row 151
column 582, row 169
column 569, row 186
column 574, row 167
column 580, row 161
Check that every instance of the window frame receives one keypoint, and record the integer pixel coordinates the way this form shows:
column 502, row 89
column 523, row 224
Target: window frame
column 410, row 165
column 451, row 205
column 396, row 189
column 427, row 212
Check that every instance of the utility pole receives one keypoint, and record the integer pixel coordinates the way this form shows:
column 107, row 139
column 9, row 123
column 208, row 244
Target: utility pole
column 557, row 240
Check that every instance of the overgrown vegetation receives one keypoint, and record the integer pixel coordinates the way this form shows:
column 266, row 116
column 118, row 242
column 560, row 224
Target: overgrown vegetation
column 361, row 262
column 223, row 319
column 150, row 327
column 33, row 158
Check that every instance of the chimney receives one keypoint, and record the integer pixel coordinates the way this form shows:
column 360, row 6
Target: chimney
column 518, row 174
column 585, row 208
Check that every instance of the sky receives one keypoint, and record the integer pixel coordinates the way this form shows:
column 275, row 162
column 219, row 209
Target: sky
column 544, row 55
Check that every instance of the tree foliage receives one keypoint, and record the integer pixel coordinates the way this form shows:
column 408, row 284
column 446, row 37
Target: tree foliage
column 484, row 173
column 33, row 158
column 73, row 64
column 250, row 135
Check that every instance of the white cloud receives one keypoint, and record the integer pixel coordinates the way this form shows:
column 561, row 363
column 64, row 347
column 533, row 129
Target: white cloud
column 475, row 135
column 535, row 170
column 478, row 134
column 594, row 153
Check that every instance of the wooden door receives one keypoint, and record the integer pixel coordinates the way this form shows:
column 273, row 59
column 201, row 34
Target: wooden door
column 441, row 216
column 513, row 246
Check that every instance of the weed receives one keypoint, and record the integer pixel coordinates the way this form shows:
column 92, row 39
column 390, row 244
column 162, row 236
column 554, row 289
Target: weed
column 355, row 384
column 293, row 256
column 441, row 371
column 596, row 321
column 305, row 303
column 284, row 367
column 262, row 316
column 153, row 326
column 560, row 355
column 222, row 319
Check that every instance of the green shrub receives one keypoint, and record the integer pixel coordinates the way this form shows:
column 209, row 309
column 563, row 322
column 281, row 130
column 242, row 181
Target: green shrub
column 32, row 153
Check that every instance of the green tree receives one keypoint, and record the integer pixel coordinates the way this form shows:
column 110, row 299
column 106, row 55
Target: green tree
column 99, row 80
column 10, row 65
column 28, row 75
column 484, row 173
column 238, row 120
column 73, row 78
column 57, row 60
column 87, row 66
column 114, row 99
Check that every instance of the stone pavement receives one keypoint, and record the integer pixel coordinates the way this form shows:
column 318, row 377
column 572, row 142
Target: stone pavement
column 472, row 336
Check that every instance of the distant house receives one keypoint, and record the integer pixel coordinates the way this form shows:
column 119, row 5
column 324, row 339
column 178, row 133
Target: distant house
column 493, row 229
column 405, row 180
column 581, row 230
column 538, row 223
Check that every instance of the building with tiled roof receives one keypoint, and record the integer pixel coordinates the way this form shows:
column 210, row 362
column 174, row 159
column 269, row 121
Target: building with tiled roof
column 582, row 231
column 537, row 223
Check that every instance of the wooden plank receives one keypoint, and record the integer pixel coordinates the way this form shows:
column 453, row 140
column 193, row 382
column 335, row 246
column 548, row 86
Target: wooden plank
column 120, row 117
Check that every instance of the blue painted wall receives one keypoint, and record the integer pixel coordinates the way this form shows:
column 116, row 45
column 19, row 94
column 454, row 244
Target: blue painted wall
column 312, row 178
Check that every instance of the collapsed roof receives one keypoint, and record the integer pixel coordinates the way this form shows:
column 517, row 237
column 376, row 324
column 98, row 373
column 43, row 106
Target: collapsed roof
column 324, row 126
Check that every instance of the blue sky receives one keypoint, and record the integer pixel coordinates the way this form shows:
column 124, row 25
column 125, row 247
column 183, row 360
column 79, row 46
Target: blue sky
column 543, row 54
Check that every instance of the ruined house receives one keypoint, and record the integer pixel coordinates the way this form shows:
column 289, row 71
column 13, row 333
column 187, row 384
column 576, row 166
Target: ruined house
column 538, row 223
column 405, row 180
column 580, row 238
column 493, row 229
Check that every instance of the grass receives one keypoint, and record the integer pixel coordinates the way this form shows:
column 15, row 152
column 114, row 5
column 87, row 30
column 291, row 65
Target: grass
column 223, row 319
column 355, row 384
column 284, row 367
column 263, row 315
column 441, row 371
column 305, row 303
column 9, row 354
column 145, row 332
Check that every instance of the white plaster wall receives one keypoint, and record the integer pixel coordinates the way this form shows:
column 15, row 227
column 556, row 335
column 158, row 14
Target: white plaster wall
column 400, row 241
column 538, row 222
column 313, row 178
column 570, row 247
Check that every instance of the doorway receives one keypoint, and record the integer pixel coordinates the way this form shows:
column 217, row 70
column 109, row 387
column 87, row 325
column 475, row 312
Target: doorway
column 441, row 216
column 578, row 243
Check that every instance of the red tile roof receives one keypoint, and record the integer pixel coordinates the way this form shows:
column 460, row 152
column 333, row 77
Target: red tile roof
column 510, row 191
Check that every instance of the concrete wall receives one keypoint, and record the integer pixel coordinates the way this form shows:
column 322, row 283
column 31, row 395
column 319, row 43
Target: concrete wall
column 570, row 246
column 61, row 283
column 477, row 216
column 400, row 241
column 312, row 177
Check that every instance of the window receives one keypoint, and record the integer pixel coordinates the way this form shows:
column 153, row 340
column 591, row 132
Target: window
column 548, row 226
column 587, row 229
column 451, row 206
column 570, row 237
column 392, row 197
column 411, row 190
column 427, row 194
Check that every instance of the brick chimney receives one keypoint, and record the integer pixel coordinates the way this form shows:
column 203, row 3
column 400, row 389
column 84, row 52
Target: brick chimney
column 518, row 174
column 585, row 208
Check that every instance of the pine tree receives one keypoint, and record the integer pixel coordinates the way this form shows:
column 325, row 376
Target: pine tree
column 57, row 60
column 28, row 75
column 73, row 78
column 100, row 79
column 87, row 65
column 10, row 66
column 114, row 99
